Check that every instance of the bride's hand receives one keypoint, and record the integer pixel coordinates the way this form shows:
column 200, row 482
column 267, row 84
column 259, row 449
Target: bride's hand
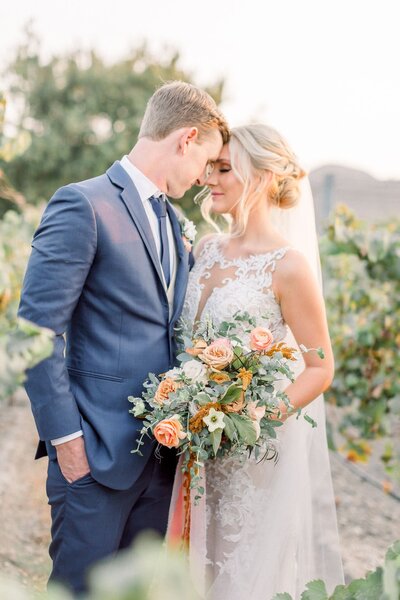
column 283, row 412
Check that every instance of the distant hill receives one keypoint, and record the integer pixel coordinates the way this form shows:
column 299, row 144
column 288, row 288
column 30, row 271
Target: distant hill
column 370, row 198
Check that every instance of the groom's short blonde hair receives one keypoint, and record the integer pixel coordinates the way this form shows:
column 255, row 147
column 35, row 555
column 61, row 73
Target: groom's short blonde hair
column 179, row 104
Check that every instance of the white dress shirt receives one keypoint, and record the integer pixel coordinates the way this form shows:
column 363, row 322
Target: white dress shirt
column 146, row 189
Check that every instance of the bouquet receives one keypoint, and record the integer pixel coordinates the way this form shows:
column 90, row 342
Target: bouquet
column 222, row 399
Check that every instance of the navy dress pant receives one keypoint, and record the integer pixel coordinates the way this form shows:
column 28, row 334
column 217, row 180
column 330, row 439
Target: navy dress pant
column 91, row 521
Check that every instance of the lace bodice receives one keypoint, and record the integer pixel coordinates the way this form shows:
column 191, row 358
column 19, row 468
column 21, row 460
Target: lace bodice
column 220, row 287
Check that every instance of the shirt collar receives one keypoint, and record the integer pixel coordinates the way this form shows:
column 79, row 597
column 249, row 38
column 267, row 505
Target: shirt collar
column 144, row 186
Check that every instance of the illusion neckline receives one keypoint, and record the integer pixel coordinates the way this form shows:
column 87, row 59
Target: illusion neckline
column 241, row 259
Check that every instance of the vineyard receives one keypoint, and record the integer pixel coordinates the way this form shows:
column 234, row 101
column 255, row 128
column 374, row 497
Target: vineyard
column 361, row 265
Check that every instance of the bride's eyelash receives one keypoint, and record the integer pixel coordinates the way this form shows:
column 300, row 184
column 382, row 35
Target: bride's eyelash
column 225, row 170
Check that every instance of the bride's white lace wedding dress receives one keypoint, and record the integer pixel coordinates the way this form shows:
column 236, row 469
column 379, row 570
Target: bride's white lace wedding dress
column 264, row 527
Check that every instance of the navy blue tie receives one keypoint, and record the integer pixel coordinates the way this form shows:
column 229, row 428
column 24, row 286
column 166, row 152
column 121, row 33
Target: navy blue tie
column 160, row 208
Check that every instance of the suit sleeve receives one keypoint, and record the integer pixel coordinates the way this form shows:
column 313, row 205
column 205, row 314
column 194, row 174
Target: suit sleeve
column 63, row 250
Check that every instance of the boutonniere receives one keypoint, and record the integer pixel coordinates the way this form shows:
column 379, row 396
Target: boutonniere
column 188, row 231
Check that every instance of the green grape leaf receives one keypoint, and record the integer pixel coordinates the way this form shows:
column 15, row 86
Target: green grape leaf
column 369, row 588
column 315, row 590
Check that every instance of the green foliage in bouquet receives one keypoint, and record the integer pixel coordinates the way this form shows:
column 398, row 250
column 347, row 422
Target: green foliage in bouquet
column 362, row 289
column 224, row 397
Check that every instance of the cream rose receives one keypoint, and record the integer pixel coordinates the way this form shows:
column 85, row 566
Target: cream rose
column 173, row 373
column 261, row 339
column 218, row 354
column 189, row 230
column 169, row 432
column 195, row 371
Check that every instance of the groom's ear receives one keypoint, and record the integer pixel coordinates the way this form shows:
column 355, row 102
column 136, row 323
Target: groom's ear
column 190, row 135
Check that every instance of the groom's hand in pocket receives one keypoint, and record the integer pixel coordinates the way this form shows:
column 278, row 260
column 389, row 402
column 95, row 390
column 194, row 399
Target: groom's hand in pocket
column 72, row 459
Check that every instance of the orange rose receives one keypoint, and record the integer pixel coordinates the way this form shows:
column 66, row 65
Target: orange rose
column 220, row 377
column 169, row 432
column 236, row 406
column 218, row 354
column 261, row 339
column 164, row 389
column 198, row 347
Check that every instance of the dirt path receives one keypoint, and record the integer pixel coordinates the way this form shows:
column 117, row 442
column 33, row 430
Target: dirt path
column 369, row 520
column 24, row 513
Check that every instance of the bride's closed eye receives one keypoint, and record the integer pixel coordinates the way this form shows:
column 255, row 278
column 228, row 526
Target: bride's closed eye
column 226, row 170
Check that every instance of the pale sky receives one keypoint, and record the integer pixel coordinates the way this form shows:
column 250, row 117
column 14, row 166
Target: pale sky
column 326, row 73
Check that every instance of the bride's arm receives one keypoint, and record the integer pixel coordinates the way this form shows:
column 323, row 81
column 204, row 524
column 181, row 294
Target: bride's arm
column 303, row 310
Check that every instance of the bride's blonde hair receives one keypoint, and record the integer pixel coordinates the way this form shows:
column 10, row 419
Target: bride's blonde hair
column 267, row 167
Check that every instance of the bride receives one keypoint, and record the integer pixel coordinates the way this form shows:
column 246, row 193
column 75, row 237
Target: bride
column 265, row 527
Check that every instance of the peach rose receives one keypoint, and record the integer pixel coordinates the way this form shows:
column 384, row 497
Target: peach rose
column 164, row 389
column 218, row 354
column 261, row 339
column 255, row 412
column 187, row 244
column 169, row 432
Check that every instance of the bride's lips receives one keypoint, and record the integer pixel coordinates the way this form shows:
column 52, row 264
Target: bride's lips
column 214, row 194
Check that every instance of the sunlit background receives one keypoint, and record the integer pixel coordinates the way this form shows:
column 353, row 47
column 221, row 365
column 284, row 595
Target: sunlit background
column 326, row 74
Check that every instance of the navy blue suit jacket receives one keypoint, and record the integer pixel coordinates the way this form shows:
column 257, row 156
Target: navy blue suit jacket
column 94, row 277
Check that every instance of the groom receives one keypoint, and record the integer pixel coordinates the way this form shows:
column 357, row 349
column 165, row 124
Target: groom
column 109, row 269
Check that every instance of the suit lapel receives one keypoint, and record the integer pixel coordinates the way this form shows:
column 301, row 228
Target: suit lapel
column 182, row 269
column 134, row 205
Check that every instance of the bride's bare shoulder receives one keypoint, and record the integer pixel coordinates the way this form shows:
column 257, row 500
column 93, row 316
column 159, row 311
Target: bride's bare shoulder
column 293, row 260
column 293, row 270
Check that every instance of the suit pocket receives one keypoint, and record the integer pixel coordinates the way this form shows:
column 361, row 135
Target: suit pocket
column 82, row 373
